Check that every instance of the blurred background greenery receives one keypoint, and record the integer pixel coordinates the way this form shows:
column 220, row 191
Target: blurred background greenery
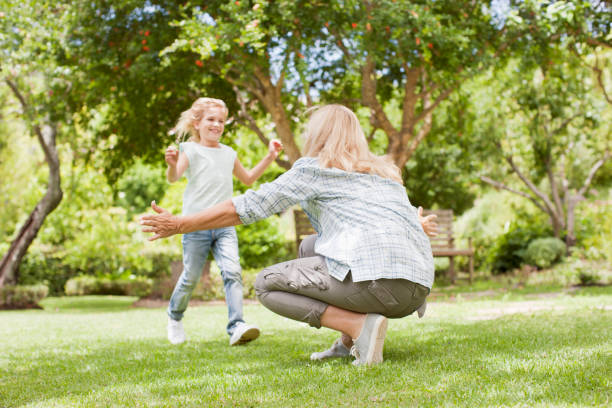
column 501, row 113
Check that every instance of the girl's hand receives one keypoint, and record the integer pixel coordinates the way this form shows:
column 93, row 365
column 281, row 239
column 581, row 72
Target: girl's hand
column 428, row 223
column 163, row 224
column 171, row 156
column 274, row 147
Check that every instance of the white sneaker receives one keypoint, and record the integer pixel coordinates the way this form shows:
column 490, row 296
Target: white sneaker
column 176, row 333
column 243, row 334
column 338, row 349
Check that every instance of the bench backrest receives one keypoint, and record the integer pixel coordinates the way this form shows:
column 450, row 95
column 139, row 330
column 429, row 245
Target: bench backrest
column 444, row 239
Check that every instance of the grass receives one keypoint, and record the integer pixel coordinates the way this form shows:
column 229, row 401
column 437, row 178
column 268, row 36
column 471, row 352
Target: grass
column 513, row 351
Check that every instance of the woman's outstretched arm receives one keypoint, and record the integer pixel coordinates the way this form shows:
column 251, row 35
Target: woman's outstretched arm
column 163, row 224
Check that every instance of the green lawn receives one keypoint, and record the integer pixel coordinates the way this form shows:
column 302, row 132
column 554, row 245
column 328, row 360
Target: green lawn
column 518, row 350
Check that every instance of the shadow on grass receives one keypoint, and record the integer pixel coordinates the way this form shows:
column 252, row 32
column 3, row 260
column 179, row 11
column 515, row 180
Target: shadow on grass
column 516, row 360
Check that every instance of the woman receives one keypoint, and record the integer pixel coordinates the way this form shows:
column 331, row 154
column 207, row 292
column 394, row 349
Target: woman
column 371, row 258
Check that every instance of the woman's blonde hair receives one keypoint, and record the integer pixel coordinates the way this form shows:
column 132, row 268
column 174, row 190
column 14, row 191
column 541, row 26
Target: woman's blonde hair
column 335, row 137
column 185, row 125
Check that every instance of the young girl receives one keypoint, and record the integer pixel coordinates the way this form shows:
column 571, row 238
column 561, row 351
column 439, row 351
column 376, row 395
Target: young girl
column 208, row 166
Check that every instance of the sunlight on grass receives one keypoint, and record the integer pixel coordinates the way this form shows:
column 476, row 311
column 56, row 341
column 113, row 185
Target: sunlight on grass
column 99, row 351
column 87, row 303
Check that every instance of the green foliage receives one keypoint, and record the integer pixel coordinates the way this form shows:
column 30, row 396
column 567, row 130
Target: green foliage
column 509, row 250
column 544, row 252
column 262, row 244
column 594, row 228
column 588, row 278
column 22, row 296
column 86, row 236
column 89, row 285
column 440, row 173
column 138, row 186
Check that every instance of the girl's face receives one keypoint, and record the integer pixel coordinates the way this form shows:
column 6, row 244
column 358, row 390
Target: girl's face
column 211, row 126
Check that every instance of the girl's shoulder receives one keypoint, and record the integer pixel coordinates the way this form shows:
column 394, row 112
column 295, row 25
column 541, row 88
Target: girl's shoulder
column 184, row 146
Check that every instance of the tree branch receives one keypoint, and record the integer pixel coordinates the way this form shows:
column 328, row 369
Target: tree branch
column 594, row 170
column 247, row 120
column 427, row 110
column 410, row 97
column 46, row 137
column 502, row 186
column 599, row 75
column 532, row 187
column 368, row 95
column 341, row 45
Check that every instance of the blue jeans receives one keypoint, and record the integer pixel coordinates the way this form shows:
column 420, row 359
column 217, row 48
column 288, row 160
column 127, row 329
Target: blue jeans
column 196, row 245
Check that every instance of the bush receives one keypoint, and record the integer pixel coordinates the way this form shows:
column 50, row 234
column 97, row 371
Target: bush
column 138, row 186
column 22, row 296
column 89, row 285
column 509, row 250
column 588, row 278
column 544, row 252
column 262, row 244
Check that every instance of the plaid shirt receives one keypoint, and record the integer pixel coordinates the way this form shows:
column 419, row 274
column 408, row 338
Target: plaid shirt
column 365, row 223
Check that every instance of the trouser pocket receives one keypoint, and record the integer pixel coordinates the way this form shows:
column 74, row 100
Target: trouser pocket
column 302, row 273
column 384, row 295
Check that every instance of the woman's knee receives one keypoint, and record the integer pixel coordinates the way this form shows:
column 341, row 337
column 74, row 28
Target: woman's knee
column 307, row 246
column 260, row 285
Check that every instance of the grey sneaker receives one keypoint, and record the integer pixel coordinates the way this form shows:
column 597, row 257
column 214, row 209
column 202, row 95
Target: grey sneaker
column 338, row 349
column 176, row 333
column 243, row 334
column 367, row 348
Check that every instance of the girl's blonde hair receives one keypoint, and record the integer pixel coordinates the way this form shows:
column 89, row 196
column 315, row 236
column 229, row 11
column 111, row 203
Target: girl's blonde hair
column 185, row 125
column 335, row 137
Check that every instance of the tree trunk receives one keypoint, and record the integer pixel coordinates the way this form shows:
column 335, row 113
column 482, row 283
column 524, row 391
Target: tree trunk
column 9, row 266
column 570, row 238
column 269, row 94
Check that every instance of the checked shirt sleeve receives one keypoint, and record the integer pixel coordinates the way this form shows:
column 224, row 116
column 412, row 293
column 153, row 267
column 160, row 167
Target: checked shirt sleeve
column 294, row 186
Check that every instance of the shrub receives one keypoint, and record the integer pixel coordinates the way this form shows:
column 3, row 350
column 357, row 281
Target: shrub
column 544, row 252
column 508, row 251
column 90, row 285
column 138, row 186
column 262, row 244
column 22, row 296
column 588, row 278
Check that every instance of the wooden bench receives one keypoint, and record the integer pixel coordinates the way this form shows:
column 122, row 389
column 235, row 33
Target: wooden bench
column 442, row 245
column 303, row 228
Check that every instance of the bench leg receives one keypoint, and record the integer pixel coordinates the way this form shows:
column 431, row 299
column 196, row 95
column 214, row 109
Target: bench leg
column 451, row 270
column 471, row 264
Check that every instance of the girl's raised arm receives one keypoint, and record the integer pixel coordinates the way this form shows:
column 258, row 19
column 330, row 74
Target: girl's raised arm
column 249, row 176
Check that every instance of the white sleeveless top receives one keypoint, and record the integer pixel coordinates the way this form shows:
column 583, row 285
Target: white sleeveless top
column 209, row 176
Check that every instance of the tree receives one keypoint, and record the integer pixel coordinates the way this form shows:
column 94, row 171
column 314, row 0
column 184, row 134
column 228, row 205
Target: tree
column 284, row 56
column 30, row 42
column 554, row 139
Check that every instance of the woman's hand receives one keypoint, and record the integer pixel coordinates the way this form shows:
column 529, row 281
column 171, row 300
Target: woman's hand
column 163, row 224
column 429, row 224
column 274, row 147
